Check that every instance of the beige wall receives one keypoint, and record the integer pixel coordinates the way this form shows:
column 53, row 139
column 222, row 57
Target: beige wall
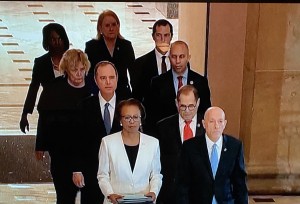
column 226, row 46
column 192, row 29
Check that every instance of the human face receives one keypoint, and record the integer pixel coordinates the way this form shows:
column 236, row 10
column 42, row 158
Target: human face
column 133, row 125
column 109, row 28
column 162, row 38
column 56, row 44
column 76, row 75
column 179, row 58
column 186, row 100
column 214, row 123
column 106, row 80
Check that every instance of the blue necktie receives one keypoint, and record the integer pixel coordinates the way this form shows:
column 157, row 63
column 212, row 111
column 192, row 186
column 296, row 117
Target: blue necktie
column 214, row 160
column 107, row 118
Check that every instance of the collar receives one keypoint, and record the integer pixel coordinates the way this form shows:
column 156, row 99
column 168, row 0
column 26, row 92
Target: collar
column 211, row 143
column 111, row 101
column 185, row 74
column 159, row 55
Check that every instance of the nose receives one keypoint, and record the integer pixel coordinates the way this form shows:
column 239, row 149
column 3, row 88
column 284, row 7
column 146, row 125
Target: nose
column 107, row 80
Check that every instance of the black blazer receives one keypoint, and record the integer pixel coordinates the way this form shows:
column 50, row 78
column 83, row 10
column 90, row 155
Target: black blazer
column 195, row 180
column 160, row 102
column 42, row 73
column 168, row 134
column 144, row 69
column 123, row 58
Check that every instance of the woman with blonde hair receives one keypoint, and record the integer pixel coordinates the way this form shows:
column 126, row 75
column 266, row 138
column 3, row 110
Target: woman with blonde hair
column 109, row 45
column 57, row 131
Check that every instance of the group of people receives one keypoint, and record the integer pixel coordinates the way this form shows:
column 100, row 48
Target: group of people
column 92, row 121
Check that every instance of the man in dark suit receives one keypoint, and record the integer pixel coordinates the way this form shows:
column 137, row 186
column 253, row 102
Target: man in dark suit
column 211, row 167
column 171, row 132
column 150, row 64
column 94, row 127
column 160, row 102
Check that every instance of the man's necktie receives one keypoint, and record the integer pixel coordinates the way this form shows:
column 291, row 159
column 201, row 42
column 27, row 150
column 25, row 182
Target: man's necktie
column 187, row 131
column 106, row 118
column 214, row 160
column 163, row 64
column 179, row 82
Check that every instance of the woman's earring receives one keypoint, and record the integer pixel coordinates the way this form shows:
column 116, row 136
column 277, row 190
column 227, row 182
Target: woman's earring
column 121, row 124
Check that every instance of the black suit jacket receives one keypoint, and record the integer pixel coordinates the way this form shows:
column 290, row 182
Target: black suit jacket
column 92, row 131
column 195, row 179
column 42, row 74
column 160, row 102
column 144, row 69
column 168, row 134
column 123, row 58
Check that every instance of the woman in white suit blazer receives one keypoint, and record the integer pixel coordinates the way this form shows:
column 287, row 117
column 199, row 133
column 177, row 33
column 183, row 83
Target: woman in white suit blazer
column 129, row 161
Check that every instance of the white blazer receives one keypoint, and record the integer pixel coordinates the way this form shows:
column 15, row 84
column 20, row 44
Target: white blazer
column 114, row 173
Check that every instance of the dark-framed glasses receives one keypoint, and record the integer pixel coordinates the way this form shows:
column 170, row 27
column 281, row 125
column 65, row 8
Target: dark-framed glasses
column 190, row 107
column 128, row 118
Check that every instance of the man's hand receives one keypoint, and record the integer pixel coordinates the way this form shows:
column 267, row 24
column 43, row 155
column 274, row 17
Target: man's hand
column 78, row 179
column 24, row 123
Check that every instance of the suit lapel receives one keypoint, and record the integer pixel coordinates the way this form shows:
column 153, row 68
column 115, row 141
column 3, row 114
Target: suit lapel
column 223, row 158
column 153, row 64
column 204, row 153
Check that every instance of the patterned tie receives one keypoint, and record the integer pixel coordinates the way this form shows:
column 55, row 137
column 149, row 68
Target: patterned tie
column 187, row 131
column 107, row 119
column 214, row 161
column 163, row 64
column 179, row 82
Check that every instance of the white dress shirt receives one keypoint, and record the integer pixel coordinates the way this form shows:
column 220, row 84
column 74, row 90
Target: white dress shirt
column 210, row 144
column 159, row 60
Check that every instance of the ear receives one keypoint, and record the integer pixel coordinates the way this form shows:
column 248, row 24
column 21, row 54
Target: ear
column 176, row 102
column 203, row 123
column 189, row 57
column 198, row 102
column 225, row 122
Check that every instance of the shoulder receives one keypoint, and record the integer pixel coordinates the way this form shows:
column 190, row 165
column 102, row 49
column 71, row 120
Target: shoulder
column 42, row 58
column 196, row 75
column 166, row 122
column 146, row 56
column 231, row 140
column 123, row 41
column 149, row 139
column 112, row 138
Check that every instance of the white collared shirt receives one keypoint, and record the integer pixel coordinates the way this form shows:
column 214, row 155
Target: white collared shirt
column 159, row 60
column 193, row 126
column 210, row 144
column 111, row 107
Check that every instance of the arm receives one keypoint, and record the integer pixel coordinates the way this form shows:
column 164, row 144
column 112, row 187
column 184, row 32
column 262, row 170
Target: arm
column 130, row 59
column 155, row 176
column 240, row 191
column 103, row 174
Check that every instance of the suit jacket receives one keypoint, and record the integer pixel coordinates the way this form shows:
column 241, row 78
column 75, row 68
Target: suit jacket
column 144, row 69
column 115, row 174
column 195, row 179
column 92, row 132
column 160, row 102
column 42, row 73
column 168, row 134
column 123, row 58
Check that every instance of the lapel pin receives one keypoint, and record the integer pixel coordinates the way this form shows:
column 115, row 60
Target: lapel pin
column 192, row 82
column 225, row 149
column 198, row 125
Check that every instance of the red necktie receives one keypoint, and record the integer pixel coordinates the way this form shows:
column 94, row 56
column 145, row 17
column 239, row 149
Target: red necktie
column 187, row 131
column 179, row 82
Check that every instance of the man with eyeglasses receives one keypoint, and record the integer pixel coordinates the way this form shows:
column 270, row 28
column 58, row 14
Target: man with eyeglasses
column 153, row 63
column 98, row 113
column 160, row 102
column 172, row 132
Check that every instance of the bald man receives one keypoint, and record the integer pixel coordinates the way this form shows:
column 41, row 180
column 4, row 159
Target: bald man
column 197, row 180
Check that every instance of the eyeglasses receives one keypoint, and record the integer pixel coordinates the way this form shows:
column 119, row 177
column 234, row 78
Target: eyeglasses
column 128, row 118
column 190, row 107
